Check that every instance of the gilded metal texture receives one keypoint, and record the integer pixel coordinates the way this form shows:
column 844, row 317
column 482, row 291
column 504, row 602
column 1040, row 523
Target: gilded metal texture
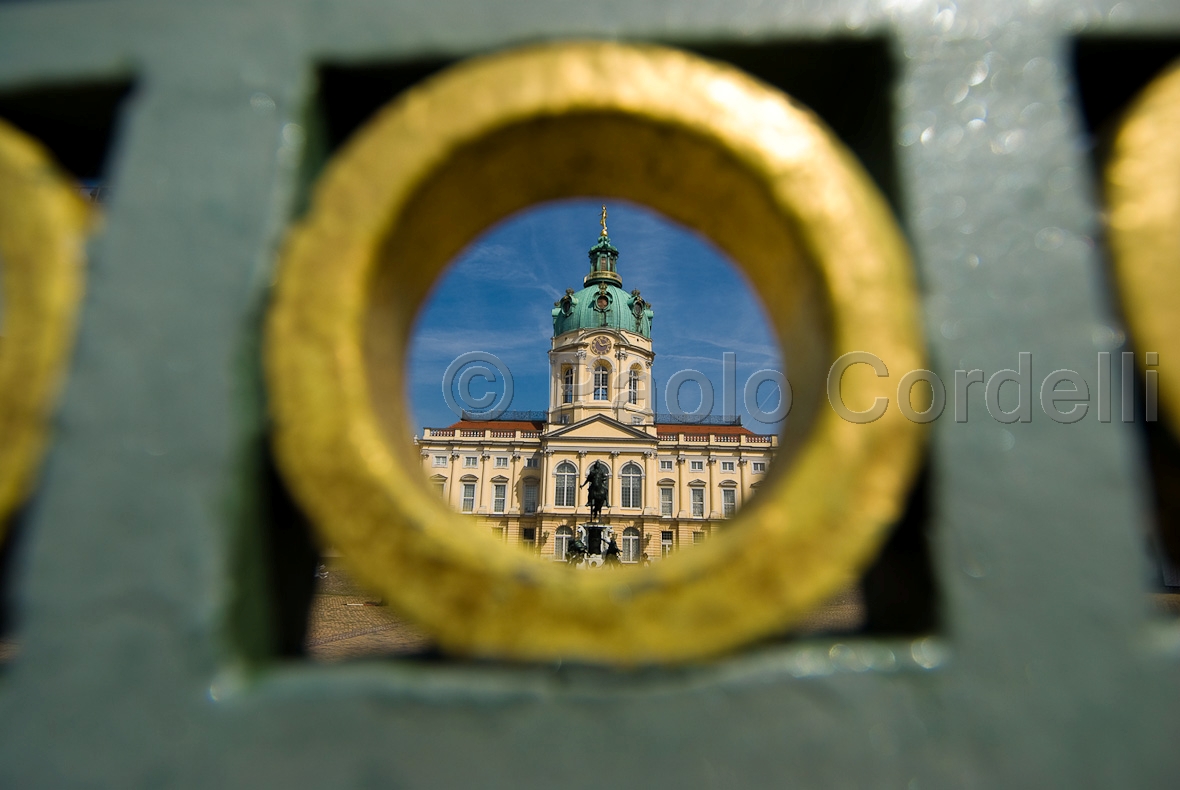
column 1143, row 194
column 43, row 227
column 709, row 147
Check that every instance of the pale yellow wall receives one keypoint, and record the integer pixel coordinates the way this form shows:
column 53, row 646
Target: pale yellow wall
column 615, row 453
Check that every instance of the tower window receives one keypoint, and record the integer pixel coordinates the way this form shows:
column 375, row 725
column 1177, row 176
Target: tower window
column 632, row 482
column 566, row 491
column 633, row 387
column 567, row 386
column 601, row 383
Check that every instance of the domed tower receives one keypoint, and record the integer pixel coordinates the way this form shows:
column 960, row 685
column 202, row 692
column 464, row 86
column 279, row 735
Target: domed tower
column 601, row 356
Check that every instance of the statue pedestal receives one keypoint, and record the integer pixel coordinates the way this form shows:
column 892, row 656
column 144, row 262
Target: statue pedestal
column 596, row 537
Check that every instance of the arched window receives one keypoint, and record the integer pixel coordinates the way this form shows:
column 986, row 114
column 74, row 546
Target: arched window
column 567, row 386
column 630, row 547
column 633, row 387
column 561, row 543
column 632, row 482
column 566, row 492
column 601, row 383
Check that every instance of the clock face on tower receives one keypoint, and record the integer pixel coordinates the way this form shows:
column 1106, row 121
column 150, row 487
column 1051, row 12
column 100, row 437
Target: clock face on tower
column 600, row 345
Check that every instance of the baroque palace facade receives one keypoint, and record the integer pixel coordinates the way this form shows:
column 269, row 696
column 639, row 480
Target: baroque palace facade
column 671, row 484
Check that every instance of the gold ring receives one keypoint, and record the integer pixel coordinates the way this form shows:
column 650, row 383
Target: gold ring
column 707, row 146
column 43, row 226
column 1143, row 198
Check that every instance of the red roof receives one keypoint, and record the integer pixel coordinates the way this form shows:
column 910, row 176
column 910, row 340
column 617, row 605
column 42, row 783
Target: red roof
column 498, row 425
column 698, row 429
column 695, row 429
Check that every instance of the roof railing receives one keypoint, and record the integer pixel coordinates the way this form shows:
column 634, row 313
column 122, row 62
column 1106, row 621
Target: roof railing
column 519, row 416
column 696, row 419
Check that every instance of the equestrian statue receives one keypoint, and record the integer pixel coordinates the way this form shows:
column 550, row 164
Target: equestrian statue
column 596, row 496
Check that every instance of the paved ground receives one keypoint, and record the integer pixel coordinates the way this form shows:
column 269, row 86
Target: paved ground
column 345, row 622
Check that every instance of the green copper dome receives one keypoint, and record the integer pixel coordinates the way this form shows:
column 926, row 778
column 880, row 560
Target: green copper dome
column 602, row 303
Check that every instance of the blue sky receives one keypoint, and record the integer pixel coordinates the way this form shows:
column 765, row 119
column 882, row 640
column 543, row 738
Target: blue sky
column 497, row 295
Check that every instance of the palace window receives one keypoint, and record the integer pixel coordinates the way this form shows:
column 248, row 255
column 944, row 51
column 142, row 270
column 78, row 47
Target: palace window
column 758, row 466
column 727, row 466
column 501, row 462
column 666, row 502
column 498, row 533
column 665, row 464
column 666, row 543
column 530, row 497
column 698, row 538
column 728, row 502
column 499, row 494
column 567, row 386
column 601, row 383
column 532, row 463
column 440, row 460
column 696, row 466
column 528, row 538
column 698, row 503
column 633, row 386
column 630, row 547
column 632, row 482
column 440, row 486
column 566, row 491
column 469, row 461
column 561, row 543
column 468, row 497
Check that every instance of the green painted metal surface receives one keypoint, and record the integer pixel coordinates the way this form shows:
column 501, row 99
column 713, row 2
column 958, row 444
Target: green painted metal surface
column 141, row 613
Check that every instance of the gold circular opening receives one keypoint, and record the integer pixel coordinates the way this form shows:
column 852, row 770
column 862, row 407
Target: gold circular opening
column 43, row 227
column 1142, row 181
column 708, row 147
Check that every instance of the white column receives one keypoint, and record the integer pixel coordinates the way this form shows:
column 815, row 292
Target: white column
column 711, row 496
column 545, row 494
column 483, row 494
column 513, row 505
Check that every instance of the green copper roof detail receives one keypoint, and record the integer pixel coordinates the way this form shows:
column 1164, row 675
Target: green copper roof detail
column 603, row 258
column 602, row 305
column 602, row 302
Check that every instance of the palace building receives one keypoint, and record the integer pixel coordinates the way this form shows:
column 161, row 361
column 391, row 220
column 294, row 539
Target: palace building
column 672, row 484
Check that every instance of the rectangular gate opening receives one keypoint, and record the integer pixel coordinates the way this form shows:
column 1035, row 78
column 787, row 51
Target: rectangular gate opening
column 325, row 616
column 77, row 123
